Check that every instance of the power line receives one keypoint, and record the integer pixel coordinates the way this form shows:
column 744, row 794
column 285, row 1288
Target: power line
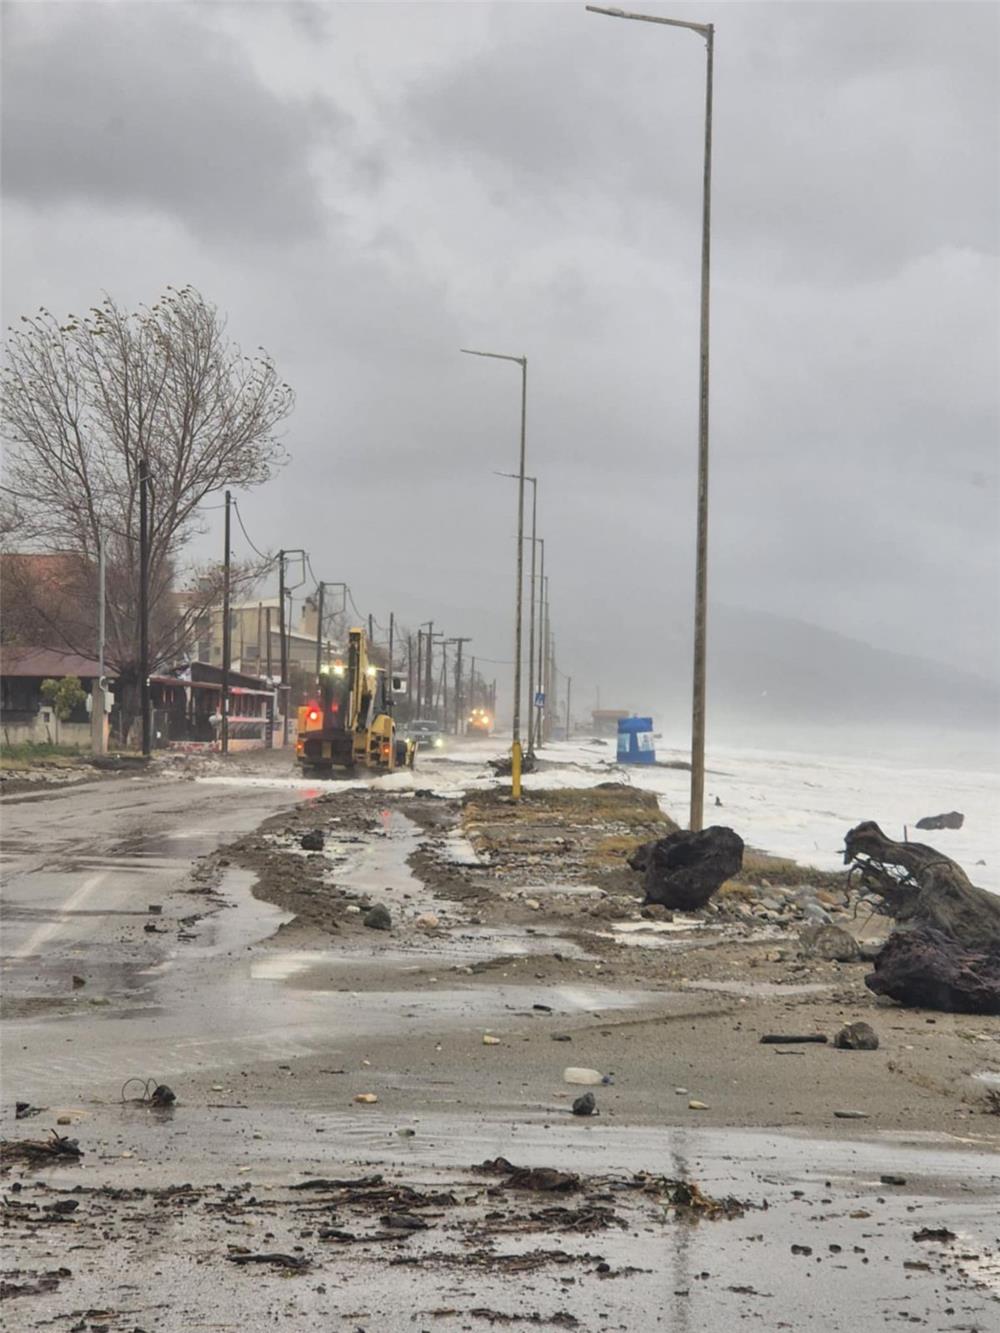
column 256, row 550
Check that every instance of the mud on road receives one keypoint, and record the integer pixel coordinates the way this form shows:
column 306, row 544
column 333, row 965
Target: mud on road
column 383, row 1064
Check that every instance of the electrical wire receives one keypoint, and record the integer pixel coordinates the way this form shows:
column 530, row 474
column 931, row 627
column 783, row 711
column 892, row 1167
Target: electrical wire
column 239, row 518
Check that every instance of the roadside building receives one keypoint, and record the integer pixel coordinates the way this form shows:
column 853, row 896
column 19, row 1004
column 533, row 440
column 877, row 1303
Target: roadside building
column 24, row 714
column 605, row 720
column 187, row 709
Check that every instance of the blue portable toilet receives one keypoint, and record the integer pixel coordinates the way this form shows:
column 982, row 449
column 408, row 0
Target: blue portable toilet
column 635, row 740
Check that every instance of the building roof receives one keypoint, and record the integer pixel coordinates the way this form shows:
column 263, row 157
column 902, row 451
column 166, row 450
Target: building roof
column 48, row 662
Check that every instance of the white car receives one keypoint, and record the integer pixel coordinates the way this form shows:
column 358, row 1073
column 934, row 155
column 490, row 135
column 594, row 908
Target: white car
column 426, row 734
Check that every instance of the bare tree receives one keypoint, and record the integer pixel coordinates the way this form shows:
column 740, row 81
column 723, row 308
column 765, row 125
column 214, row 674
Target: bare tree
column 87, row 401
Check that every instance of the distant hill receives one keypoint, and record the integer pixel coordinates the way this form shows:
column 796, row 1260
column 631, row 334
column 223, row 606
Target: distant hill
column 766, row 667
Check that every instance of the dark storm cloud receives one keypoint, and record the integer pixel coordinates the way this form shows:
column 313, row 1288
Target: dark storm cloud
column 144, row 107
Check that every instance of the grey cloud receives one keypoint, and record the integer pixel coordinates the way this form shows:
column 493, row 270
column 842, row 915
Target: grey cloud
column 537, row 193
column 843, row 145
column 143, row 107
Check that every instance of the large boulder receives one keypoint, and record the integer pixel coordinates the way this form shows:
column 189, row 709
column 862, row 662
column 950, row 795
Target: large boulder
column 683, row 870
column 926, row 969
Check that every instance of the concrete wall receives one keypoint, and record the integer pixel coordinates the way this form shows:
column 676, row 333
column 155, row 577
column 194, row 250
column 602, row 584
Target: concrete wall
column 46, row 729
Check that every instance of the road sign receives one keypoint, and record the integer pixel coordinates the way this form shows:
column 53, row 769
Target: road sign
column 539, row 698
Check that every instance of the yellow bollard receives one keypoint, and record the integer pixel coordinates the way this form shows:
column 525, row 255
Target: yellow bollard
column 515, row 770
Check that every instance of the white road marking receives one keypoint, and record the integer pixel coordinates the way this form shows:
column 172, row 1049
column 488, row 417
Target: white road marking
column 72, row 904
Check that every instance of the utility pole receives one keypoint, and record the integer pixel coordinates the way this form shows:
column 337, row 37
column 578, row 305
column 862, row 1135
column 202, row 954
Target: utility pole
column 319, row 626
column 409, row 673
column 371, row 629
column 227, row 646
column 472, row 684
column 267, row 631
column 569, row 692
column 428, row 665
column 420, row 674
column 392, row 636
column 458, row 683
column 98, row 714
column 443, row 699
column 284, row 648
column 147, row 737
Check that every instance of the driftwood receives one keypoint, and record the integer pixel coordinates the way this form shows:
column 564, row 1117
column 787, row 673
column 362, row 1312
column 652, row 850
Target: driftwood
column 947, row 956
column 927, row 970
column 916, row 884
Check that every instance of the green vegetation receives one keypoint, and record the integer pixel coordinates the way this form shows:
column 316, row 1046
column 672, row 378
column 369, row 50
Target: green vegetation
column 63, row 695
column 25, row 754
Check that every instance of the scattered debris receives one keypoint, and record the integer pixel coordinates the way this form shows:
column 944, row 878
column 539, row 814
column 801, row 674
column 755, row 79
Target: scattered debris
column 313, row 840
column 298, row 1262
column 934, row 1233
column 366, row 1098
column 856, row 1037
column 892, row 1180
column 36, row 1151
column 576, row 1074
column 951, row 820
column 78, row 982
column 153, row 1093
column 501, row 767
column 490, row 1040
column 378, row 918
column 776, row 1039
column 695, row 1105
column 543, row 1178
column 585, row 1105
column 24, row 1110
column 39, row 1284
column 688, row 1199
column 852, row 1115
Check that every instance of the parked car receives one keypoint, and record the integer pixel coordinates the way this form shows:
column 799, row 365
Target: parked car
column 426, row 734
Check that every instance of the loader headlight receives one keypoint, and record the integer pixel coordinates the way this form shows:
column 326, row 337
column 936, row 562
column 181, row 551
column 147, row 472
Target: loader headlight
column 438, row 742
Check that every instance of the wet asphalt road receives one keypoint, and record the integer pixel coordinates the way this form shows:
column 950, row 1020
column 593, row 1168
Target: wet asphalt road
column 82, row 868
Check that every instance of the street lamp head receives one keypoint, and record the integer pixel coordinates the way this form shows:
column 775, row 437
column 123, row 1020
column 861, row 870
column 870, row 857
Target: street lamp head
column 497, row 356
column 705, row 29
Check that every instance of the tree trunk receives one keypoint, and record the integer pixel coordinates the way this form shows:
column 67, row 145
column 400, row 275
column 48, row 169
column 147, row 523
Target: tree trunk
column 918, row 885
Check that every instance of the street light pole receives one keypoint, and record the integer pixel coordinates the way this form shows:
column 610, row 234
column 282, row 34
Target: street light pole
column 707, row 31
column 515, row 747
column 147, row 732
column 531, row 604
column 539, row 735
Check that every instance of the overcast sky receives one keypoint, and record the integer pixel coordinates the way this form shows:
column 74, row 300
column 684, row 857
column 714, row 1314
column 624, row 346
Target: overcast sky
column 364, row 188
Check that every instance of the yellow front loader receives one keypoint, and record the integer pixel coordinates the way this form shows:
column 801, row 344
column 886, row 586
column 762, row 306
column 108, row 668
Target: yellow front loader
column 350, row 724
